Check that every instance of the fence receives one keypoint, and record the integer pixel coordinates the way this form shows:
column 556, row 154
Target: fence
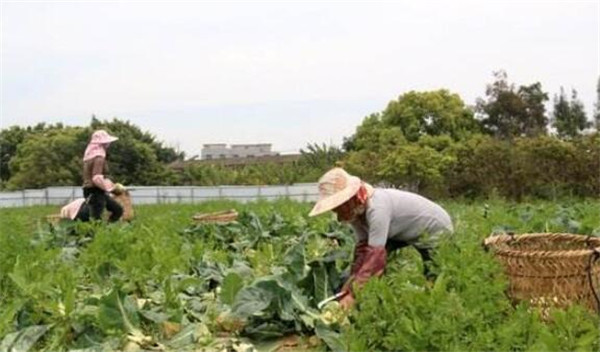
column 304, row 192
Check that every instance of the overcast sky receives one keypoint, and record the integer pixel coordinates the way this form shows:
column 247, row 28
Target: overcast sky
column 286, row 73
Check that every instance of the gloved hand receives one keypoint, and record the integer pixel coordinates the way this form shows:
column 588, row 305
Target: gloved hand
column 360, row 251
column 118, row 189
column 347, row 301
column 372, row 263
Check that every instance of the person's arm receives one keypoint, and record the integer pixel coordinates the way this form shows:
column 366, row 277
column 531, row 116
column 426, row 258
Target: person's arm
column 98, row 175
column 361, row 237
column 373, row 265
column 360, row 252
column 379, row 220
column 372, row 254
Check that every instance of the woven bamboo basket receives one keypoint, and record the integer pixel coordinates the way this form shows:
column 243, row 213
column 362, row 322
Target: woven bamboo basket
column 53, row 219
column 124, row 199
column 550, row 269
column 220, row 217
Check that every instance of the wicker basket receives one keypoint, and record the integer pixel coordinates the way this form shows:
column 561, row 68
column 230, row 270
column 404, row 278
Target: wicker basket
column 220, row 217
column 124, row 199
column 550, row 269
column 53, row 219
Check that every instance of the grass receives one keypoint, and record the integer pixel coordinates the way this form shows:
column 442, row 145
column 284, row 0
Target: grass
column 41, row 284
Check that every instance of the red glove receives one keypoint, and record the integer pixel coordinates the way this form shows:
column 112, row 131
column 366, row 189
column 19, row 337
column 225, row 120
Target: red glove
column 360, row 250
column 372, row 263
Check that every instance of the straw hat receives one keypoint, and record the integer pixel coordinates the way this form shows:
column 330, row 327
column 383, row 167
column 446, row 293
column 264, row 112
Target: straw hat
column 102, row 137
column 336, row 187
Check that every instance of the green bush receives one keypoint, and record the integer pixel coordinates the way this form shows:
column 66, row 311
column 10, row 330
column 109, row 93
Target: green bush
column 482, row 166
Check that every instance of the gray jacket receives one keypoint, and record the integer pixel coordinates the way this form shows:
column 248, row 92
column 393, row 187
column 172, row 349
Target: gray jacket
column 402, row 216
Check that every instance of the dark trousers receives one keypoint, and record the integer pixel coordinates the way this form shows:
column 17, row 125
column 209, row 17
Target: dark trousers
column 391, row 246
column 96, row 200
column 425, row 253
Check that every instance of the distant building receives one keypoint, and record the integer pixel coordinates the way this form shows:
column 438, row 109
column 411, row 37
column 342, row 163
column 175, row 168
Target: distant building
column 214, row 151
column 221, row 151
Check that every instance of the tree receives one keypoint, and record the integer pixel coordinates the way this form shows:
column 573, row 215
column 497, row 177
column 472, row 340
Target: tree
column 363, row 131
column 11, row 138
column 51, row 158
column 127, row 130
column 509, row 112
column 546, row 167
column 322, row 157
column 42, row 155
column 385, row 141
column 134, row 162
column 9, row 141
column 569, row 117
column 584, row 175
column 430, row 113
column 534, row 121
column 413, row 115
column 375, row 135
column 368, row 146
column 417, row 168
column 365, row 164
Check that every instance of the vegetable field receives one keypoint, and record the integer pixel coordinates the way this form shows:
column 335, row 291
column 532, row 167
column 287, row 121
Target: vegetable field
column 166, row 283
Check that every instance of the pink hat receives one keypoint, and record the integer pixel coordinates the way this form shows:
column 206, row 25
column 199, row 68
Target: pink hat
column 102, row 137
column 336, row 187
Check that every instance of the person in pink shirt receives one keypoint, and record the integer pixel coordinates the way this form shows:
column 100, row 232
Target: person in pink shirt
column 71, row 210
column 96, row 185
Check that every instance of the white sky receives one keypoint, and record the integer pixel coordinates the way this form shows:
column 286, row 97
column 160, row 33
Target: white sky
column 284, row 73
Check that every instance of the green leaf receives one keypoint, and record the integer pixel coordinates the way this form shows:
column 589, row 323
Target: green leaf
column 320, row 282
column 155, row 317
column 251, row 300
column 295, row 260
column 190, row 285
column 268, row 345
column 105, row 347
column 586, row 341
column 266, row 331
column 330, row 337
column 191, row 334
column 241, row 268
column 282, row 297
column 118, row 313
column 23, row 340
column 232, row 283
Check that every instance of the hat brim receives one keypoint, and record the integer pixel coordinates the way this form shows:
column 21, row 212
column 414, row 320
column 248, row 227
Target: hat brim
column 336, row 199
column 107, row 140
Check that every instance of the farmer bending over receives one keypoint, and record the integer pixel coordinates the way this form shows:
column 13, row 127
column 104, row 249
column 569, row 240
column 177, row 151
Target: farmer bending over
column 383, row 220
column 95, row 184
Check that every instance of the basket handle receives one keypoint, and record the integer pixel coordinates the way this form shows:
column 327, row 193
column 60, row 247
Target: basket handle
column 593, row 257
column 588, row 242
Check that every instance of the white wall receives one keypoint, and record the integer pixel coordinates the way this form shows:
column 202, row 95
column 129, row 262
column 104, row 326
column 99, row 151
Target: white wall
column 304, row 192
